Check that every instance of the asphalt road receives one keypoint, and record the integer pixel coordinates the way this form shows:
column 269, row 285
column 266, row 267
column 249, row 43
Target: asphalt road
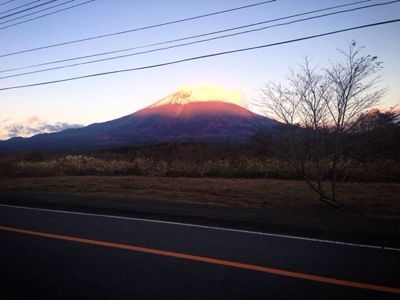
column 49, row 254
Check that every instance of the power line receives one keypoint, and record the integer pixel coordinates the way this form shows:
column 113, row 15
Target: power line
column 196, row 42
column 186, row 38
column 36, row 12
column 26, row 9
column 141, row 28
column 201, row 57
column 11, row 9
column 48, row 14
column 7, row 2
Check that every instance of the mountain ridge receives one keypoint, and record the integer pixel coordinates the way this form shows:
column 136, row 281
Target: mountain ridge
column 175, row 118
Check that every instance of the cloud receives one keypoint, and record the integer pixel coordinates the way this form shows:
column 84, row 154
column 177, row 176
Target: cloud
column 34, row 119
column 32, row 126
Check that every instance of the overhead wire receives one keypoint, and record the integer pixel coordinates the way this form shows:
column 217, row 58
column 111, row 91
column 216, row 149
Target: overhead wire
column 199, row 41
column 48, row 14
column 186, row 38
column 26, row 4
column 6, row 2
column 26, row 9
column 36, row 12
column 201, row 56
column 139, row 28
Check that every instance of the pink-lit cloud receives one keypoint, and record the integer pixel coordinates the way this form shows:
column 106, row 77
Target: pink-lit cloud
column 34, row 119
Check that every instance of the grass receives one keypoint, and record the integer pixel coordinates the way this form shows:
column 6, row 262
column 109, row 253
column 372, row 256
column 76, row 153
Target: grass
column 243, row 166
column 376, row 200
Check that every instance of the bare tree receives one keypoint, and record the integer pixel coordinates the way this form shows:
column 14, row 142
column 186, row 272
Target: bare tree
column 318, row 107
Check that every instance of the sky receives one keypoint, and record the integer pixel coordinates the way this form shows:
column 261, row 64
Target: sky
column 52, row 107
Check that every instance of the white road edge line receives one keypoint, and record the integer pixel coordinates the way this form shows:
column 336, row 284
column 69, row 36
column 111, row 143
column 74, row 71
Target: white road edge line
column 294, row 237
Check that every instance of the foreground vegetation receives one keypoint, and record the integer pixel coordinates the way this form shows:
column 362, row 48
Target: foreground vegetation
column 184, row 160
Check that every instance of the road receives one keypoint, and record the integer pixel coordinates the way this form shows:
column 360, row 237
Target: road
column 54, row 254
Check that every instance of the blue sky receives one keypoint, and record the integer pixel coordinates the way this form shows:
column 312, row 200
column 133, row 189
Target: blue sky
column 104, row 98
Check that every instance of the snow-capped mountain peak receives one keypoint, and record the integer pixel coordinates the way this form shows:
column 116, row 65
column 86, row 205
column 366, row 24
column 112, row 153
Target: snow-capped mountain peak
column 202, row 93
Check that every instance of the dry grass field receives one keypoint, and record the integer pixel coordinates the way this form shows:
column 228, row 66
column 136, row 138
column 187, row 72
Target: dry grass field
column 221, row 166
column 376, row 200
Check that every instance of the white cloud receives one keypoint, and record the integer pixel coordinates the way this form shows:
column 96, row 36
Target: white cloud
column 31, row 126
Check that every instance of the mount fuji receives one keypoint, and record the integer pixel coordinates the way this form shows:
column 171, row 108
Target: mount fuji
column 190, row 114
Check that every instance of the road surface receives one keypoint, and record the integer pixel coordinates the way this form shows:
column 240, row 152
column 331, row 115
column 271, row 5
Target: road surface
column 54, row 254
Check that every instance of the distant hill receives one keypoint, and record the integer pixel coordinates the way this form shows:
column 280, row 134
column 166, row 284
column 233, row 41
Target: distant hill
column 187, row 115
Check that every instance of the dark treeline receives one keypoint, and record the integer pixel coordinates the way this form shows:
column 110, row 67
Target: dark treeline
column 374, row 136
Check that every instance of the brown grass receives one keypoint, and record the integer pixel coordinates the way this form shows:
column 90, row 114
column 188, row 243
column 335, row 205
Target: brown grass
column 221, row 167
column 367, row 199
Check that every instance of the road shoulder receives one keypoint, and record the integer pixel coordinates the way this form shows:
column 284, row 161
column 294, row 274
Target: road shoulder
column 381, row 232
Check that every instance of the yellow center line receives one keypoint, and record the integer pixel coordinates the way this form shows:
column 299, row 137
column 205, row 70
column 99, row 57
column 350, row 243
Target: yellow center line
column 209, row 260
